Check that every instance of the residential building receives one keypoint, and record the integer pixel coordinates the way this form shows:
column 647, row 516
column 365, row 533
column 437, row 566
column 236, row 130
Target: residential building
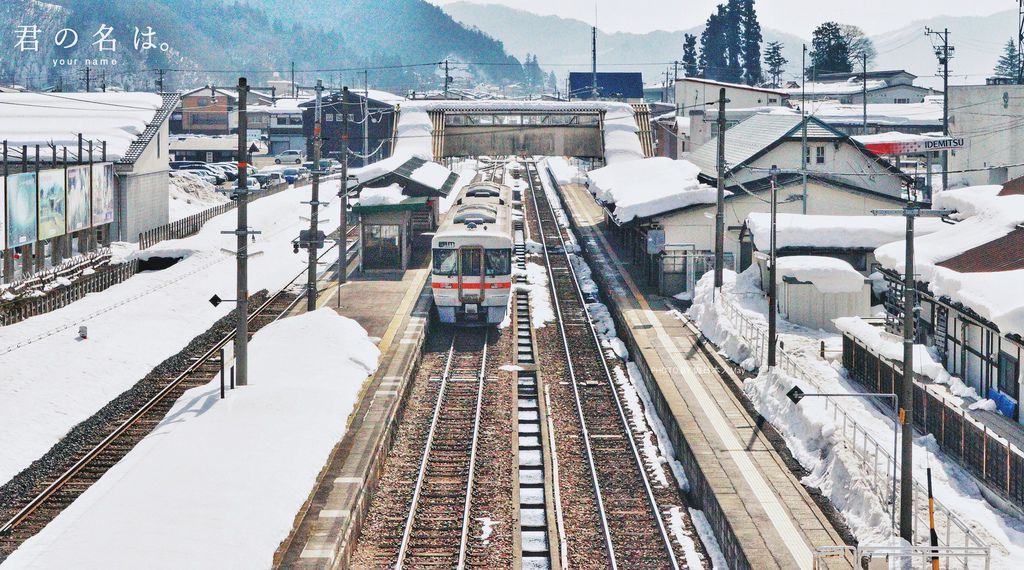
column 382, row 109
column 988, row 118
column 693, row 93
column 213, row 110
column 214, row 148
column 626, row 87
column 890, row 86
column 280, row 123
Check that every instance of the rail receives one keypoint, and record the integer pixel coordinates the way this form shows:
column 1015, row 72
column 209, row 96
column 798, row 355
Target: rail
column 869, row 451
column 533, row 178
column 68, row 475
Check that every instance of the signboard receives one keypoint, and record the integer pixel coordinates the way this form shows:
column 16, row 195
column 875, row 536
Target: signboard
column 21, row 209
column 3, row 214
column 79, row 199
column 102, row 193
column 51, row 204
column 918, row 145
column 655, row 241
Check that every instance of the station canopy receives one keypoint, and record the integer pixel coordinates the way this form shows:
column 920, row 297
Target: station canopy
column 418, row 177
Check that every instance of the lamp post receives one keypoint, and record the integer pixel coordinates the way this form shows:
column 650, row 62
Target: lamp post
column 795, row 394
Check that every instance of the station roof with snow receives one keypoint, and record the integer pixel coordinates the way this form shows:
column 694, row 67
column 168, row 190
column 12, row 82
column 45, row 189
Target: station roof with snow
column 648, row 187
column 419, row 177
column 852, row 233
column 127, row 122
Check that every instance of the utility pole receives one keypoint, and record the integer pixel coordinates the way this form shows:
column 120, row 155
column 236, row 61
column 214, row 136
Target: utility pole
column 103, row 81
column 446, row 79
column 944, row 53
column 772, row 272
column 313, row 242
column 366, row 117
column 906, row 396
column 593, row 63
column 295, row 92
column 88, row 80
column 343, row 194
column 864, row 90
column 803, row 122
column 720, row 212
column 160, row 81
column 1020, row 42
column 241, row 233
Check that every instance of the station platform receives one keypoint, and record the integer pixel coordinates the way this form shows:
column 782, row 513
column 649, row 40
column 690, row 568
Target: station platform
column 392, row 306
column 762, row 516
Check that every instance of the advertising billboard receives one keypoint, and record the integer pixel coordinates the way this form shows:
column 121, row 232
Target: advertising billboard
column 21, row 209
column 51, row 204
column 102, row 193
column 79, row 202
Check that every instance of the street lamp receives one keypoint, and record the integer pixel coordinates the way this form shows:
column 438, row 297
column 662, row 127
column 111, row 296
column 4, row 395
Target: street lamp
column 795, row 394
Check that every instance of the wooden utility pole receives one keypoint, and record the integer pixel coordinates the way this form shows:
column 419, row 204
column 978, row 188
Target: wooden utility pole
column 720, row 212
column 343, row 194
column 313, row 241
column 241, row 233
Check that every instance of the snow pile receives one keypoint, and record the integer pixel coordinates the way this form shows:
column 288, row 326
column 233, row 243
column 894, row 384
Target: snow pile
column 642, row 188
column 42, row 397
column 799, row 230
column 236, row 471
column 828, row 274
column 58, row 118
column 414, row 132
column 721, row 330
column 431, row 174
column 536, row 286
column 383, row 196
column 564, row 172
column 189, row 194
column 993, row 295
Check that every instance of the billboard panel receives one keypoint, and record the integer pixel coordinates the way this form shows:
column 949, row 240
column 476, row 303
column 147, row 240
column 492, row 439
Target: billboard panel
column 102, row 193
column 21, row 209
column 79, row 198
column 51, row 204
column 3, row 213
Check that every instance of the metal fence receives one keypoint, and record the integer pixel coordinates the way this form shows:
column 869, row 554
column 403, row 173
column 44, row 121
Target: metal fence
column 914, row 557
column 62, row 296
column 990, row 458
column 191, row 225
column 873, row 456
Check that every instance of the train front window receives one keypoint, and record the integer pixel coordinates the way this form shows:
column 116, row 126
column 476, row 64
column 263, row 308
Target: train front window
column 471, row 262
column 499, row 262
column 445, row 262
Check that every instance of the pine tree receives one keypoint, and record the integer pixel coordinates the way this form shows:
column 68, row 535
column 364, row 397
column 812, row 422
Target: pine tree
column 690, row 55
column 830, row 51
column 1007, row 64
column 552, row 81
column 713, row 48
column 733, row 42
column 775, row 61
column 752, row 74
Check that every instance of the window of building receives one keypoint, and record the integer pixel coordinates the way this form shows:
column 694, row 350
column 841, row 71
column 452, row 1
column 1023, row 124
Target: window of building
column 772, row 100
column 329, row 117
column 819, row 154
column 1009, row 374
column 282, row 121
column 295, row 119
column 901, row 100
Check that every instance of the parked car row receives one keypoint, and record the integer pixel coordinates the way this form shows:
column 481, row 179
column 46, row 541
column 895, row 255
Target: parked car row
column 220, row 173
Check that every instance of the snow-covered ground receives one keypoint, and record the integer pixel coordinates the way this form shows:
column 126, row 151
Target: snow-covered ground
column 51, row 381
column 189, row 194
column 816, row 438
column 217, row 483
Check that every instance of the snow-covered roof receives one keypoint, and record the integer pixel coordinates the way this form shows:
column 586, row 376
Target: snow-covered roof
column 201, row 142
column 827, row 274
column 840, row 232
column 743, row 86
column 992, row 293
column 927, row 113
column 426, row 175
column 120, row 119
column 621, row 141
column 282, row 106
column 382, row 96
column 848, row 87
column 642, row 188
column 386, row 195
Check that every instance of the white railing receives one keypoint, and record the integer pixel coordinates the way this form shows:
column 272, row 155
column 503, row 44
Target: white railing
column 954, row 535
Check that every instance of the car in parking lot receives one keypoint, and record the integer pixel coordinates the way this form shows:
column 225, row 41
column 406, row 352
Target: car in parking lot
column 291, row 175
column 289, row 157
column 218, row 175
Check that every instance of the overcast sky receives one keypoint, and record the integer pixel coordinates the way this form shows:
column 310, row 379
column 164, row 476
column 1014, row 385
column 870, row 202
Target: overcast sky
column 793, row 16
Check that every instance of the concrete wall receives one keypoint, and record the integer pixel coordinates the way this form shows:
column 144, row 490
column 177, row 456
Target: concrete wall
column 141, row 204
column 693, row 226
column 803, row 304
column 694, row 94
column 502, row 140
column 988, row 116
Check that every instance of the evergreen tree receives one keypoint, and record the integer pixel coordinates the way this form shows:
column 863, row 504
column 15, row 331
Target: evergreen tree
column 1007, row 64
column 690, row 55
column 713, row 48
column 552, row 81
column 752, row 74
column 830, row 52
column 775, row 61
column 733, row 42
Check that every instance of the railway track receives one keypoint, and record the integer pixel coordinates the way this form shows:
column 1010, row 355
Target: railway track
column 49, row 498
column 611, row 511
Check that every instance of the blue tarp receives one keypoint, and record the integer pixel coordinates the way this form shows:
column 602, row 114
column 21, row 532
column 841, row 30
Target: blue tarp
column 1005, row 404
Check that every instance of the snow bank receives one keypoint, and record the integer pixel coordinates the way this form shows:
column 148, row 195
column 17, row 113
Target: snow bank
column 564, row 172
column 58, row 118
column 52, row 381
column 651, row 186
column 217, row 483
column 828, row 274
column 431, row 175
column 386, row 195
column 799, row 230
column 189, row 194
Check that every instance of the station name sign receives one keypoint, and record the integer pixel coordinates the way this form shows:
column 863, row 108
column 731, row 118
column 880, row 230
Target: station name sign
column 937, row 144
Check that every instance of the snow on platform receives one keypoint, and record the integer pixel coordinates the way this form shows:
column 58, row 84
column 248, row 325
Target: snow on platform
column 56, row 381
column 847, row 232
column 217, row 483
column 648, row 187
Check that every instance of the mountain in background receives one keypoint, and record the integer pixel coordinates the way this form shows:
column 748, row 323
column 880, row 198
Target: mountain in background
column 211, row 40
column 563, row 45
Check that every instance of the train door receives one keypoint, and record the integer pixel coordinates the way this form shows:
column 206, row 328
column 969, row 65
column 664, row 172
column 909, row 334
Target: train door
column 471, row 274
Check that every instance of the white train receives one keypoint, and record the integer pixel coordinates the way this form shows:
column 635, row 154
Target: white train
column 472, row 256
